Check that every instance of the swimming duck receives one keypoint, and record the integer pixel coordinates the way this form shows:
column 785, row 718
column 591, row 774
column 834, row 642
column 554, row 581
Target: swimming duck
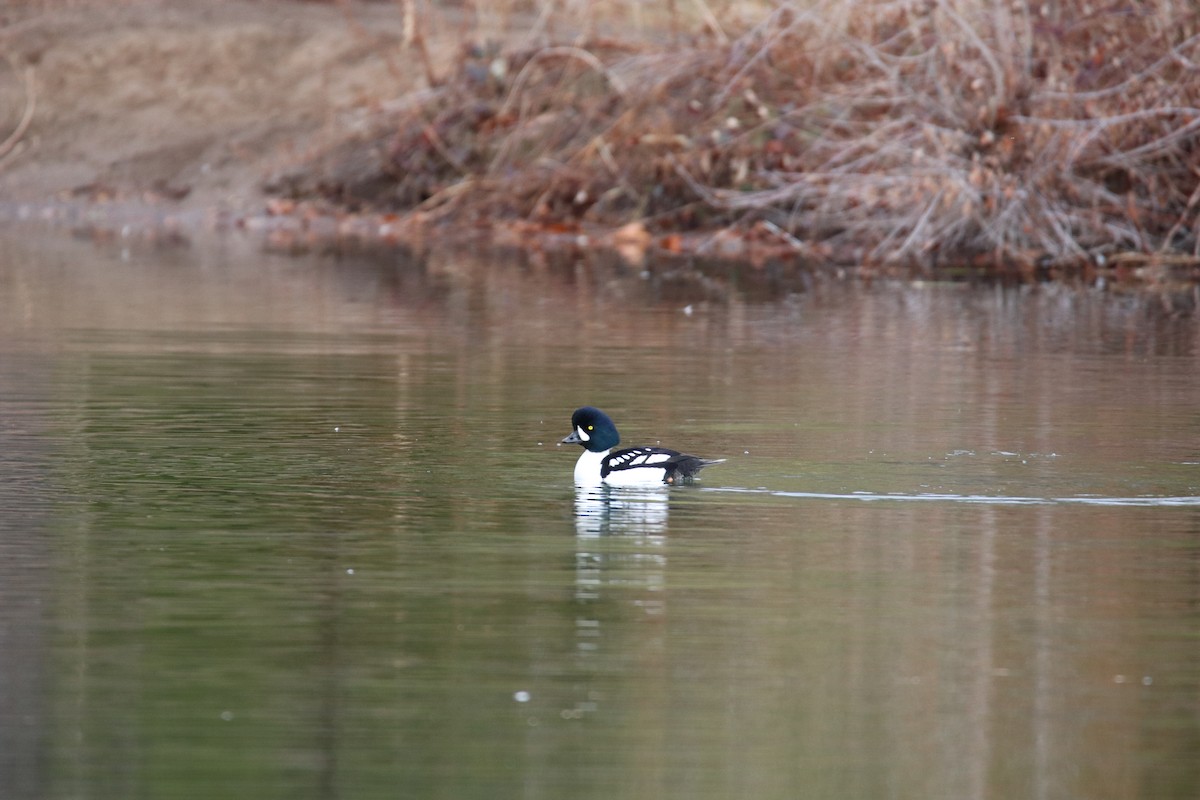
column 630, row 466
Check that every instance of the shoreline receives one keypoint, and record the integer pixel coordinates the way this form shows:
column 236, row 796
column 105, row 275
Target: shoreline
column 160, row 115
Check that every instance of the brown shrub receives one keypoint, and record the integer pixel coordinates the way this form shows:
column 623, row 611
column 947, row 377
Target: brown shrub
column 906, row 132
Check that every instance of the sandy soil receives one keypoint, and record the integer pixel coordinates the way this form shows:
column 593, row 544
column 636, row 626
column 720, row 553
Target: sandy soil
column 187, row 104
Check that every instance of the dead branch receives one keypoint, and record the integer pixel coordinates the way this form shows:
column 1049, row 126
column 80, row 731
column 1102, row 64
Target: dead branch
column 27, row 115
column 577, row 53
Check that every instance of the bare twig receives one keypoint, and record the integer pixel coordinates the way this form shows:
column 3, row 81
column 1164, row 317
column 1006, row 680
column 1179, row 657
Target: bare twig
column 999, row 88
column 710, row 19
column 577, row 53
column 414, row 17
column 1185, row 216
column 27, row 115
column 518, row 86
column 435, row 141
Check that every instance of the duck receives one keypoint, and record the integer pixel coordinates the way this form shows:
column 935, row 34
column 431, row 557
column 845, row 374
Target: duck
column 631, row 466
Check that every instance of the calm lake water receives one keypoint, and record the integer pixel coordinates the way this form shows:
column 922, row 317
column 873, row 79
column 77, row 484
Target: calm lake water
column 298, row 528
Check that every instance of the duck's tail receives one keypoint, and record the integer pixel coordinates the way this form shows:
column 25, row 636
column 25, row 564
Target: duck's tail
column 687, row 467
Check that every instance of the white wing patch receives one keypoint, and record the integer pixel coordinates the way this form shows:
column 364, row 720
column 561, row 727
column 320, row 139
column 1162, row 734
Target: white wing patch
column 633, row 457
column 638, row 457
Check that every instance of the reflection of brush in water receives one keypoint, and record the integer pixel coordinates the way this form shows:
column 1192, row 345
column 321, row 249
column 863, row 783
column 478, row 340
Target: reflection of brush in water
column 631, row 466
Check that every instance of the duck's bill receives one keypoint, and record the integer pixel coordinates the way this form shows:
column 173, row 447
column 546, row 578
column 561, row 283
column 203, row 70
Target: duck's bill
column 572, row 439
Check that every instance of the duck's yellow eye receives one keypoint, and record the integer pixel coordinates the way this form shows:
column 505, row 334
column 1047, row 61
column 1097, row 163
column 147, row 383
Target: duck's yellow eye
column 591, row 427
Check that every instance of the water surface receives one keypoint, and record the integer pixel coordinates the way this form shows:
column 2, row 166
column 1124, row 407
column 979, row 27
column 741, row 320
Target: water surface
column 298, row 527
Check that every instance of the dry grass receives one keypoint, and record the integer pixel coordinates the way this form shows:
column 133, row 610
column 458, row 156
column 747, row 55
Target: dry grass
column 891, row 131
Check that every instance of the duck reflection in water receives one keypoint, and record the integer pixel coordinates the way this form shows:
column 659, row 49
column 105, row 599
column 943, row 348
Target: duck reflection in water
column 621, row 509
column 637, row 558
column 620, row 567
column 610, row 510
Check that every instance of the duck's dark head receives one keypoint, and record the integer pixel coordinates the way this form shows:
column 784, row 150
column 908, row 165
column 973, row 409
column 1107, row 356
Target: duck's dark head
column 593, row 429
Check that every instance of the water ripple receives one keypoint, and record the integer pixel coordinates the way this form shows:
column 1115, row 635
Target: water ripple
column 976, row 499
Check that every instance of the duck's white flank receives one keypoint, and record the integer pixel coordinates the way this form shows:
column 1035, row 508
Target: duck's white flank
column 636, row 476
column 587, row 468
column 647, row 473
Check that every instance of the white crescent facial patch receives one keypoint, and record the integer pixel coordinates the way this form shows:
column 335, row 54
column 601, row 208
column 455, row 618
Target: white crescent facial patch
column 583, row 435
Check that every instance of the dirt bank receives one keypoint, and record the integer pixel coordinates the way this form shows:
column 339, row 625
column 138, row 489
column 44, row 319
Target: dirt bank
column 184, row 104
